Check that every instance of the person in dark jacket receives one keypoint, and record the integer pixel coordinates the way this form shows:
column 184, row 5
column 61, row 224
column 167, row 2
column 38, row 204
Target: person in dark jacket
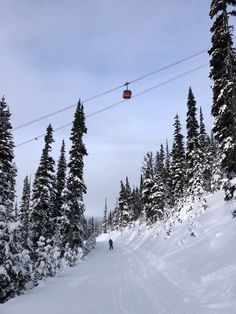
column 110, row 244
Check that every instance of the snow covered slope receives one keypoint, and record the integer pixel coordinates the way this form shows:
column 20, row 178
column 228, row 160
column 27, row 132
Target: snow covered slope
column 148, row 274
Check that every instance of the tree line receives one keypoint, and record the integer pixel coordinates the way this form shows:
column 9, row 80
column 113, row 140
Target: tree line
column 49, row 230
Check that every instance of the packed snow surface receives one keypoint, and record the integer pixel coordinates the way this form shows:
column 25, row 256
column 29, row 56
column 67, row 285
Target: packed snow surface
column 147, row 273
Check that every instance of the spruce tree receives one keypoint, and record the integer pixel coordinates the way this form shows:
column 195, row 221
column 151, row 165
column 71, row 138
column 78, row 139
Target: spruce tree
column 206, row 155
column 157, row 197
column 178, row 168
column 60, row 183
column 91, row 225
column 109, row 220
column 7, row 167
column 123, row 205
column 129, row 200
column 104, row 222
column 12, row 275
column 140, row 204
column 147, row 184
column 194, row 165
column 24, row 210
column 91, row 239
column 115, row 218
column 192, row 133
column 41, row 222
column 161, row 162
column 97, row 226
column 167, row 179
column 156, row 162
column 75, row 186
column 158, row 189
column 136, row 205
column 43, row 195
column 223, row 74
column 59, row 219
column 217, row 173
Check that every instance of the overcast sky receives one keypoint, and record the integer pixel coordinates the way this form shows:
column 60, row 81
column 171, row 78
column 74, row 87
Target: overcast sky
column 54, row 52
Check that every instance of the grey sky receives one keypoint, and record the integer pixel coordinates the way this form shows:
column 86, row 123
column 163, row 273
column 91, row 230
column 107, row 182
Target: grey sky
column 55, row 52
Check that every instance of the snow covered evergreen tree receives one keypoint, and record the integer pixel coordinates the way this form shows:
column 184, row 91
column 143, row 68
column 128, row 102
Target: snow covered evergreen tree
column 129, row 200
column 206, row 154
column 97, row 226
column 194, row 174
column 109, row 220
column 136, row 204
column 104, row 222
column 75, row 186
column 91, row 238
column 147, row 184
column 168, row 180
column 43, row 195
column 115, row 218
column 157, row 199
column 24, row 211
column 47, row 261
column 123, row 205
column 217, row 175
column 223, row 74
column 59, row 219
column 157, row 193
column 91, row 225
column 7, row 167
column 60, row 182
column 12, row 272
column 178, row 170
column 192, row 146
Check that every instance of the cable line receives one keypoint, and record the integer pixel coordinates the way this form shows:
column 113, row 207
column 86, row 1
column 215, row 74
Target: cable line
column 170, row 65
column 111, row 90
column 121, row 101
column 65, row 108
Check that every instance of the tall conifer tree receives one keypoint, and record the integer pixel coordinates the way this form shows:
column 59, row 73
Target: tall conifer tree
column 193, row 162
column 206, row 155
column 223, row 74
column 178, row 171
column 123, row 205
column 43, row 194
column 7, row 167
column 75, row 186
column 105, row 222
column 59, row 217
column 60, row 182
column 192, row 132
column 168, row 181
column 11, row 268
column 147, row 184
column 24, row 211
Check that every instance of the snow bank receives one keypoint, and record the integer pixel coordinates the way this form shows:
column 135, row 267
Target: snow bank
column 203, row 264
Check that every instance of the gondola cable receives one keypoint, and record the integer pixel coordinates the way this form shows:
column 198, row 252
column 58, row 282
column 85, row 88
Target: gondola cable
column 121, row 101
column 111, row 90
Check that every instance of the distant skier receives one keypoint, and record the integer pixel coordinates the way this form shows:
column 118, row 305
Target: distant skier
column 110, row 244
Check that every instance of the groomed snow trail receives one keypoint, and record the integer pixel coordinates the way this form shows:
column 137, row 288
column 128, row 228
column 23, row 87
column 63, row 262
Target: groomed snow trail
column 108, row 282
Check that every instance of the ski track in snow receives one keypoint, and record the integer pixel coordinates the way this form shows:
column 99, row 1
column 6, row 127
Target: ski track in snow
column 147, row 274
column 109, row 282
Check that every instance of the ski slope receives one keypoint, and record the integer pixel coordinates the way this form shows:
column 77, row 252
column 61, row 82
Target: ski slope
column 148, row 274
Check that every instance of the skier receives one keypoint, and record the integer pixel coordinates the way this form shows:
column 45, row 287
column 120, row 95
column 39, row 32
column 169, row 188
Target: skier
column 110, row 244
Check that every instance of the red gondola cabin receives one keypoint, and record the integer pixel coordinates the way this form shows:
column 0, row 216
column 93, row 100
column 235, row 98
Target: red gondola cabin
column 127, row 93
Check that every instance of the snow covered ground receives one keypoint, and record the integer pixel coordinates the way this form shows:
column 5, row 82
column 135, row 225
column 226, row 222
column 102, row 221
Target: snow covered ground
column 148, row 274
